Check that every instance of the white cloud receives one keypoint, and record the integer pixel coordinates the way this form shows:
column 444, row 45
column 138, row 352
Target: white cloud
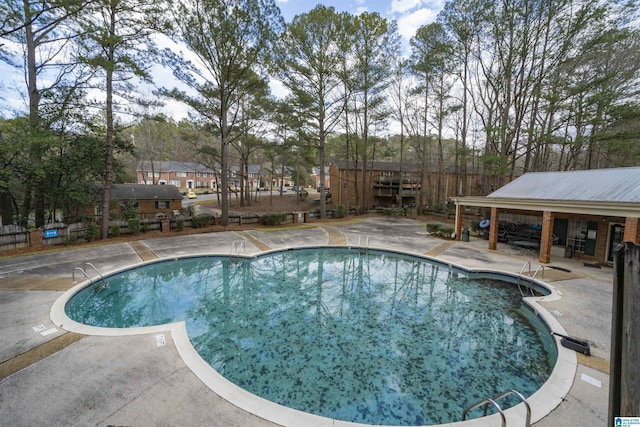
column 403, row 6
column 278, row 89
column 408, row 24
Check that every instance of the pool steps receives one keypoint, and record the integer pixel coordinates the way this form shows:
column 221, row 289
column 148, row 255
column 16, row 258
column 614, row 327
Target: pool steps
column 494, row 402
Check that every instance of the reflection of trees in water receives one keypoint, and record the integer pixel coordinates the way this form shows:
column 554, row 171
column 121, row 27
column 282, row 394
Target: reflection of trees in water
column 369, row 333
column 387, row 326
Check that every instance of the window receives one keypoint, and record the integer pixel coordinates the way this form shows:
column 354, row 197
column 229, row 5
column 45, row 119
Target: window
column 181, row 174
column 162, row 204
column 577, row 235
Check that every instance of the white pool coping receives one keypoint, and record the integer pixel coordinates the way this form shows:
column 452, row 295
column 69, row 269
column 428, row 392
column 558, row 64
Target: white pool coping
column 542, row 402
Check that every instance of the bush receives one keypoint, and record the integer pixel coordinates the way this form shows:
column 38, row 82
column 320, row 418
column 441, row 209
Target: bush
column 274, row 218
column 201, row 220
column 475, row 226
column 180, row 224
column 114, row 230
column 446, row 231
column 433, row 228
column 133, row 225
column 302, row 194
column 341, row 211
column 70, row 238
column 392, row 211
column 90, row 231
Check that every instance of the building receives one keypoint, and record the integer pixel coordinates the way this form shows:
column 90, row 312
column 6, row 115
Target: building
column 147, row 201
column 182, row 175
column 387, row 184
column 586, row 212
column 192, row 176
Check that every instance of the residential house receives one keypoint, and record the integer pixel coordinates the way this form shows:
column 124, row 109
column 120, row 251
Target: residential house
column 194, row 176
column 148, row 201
column 182, row 175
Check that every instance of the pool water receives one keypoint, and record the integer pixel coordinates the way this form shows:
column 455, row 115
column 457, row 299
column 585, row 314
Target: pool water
column 369, row 337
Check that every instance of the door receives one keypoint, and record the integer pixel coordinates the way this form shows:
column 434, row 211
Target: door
column 590, row 241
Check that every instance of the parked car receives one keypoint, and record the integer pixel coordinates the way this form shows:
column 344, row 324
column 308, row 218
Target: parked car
column 191, row 195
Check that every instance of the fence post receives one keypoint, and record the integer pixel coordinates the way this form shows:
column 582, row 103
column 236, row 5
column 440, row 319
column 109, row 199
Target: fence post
column 624, row 398
column 35, row 238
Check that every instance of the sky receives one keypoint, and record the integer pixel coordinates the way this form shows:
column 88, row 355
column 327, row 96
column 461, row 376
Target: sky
column 409, row 15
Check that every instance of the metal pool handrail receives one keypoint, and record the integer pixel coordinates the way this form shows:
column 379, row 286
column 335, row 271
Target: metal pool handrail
column 540, row 267
column 493, row 401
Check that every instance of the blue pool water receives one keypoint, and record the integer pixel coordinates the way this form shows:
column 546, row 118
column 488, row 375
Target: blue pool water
column 374, row 337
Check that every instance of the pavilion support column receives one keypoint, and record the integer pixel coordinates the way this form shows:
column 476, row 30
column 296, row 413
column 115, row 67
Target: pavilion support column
column 458, row 223
column 546, row 237
column 493, row 230
column 632, row 231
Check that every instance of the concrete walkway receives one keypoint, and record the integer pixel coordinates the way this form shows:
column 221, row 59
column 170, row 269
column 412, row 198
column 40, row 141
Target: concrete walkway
column 52, row 377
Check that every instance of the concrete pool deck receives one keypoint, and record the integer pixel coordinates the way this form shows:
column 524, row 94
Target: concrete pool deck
column 52, row 377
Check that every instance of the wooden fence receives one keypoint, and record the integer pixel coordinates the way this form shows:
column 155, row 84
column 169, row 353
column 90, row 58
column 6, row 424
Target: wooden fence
column 14, row 237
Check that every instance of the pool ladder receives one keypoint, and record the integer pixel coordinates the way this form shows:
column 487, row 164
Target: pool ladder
column 84, row 273
column 363, row 239
column 494, row 401
column 540, row 268
column 235, row 249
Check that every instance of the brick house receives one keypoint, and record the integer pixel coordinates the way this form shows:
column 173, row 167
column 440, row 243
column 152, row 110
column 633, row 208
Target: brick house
column 194, row 176
column 585, row 212
column 149, row 201
column 182, row 175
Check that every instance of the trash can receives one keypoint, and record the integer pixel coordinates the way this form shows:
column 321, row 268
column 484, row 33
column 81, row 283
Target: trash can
column 465, row 234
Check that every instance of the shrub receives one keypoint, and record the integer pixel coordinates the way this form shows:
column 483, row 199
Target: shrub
column 180, row 224
column 475, row 226
column 341, row 211
column 433, row 228
column 201, row 220
column 274, row 218
column 446, row 231
column 70, row 238
column 90, row 231
column 114, row 230
column 393, row 211
column 134, row 225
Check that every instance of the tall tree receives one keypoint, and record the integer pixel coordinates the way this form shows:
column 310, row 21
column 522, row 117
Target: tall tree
column 461, row 18
column 116, row 42
column 230, row 42
column 309, row 61
column 377, row 44
column 41, row 30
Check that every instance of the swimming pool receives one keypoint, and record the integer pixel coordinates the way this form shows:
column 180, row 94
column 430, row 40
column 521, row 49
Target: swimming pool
column 371, row 337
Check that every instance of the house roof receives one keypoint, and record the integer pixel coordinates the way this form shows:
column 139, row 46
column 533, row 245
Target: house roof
column 145, row 192
column 620, row 185
column 606, row 192
column 172, row 166
column 175, row 166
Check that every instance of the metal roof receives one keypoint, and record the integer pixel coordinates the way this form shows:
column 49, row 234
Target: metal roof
column 621, row 185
